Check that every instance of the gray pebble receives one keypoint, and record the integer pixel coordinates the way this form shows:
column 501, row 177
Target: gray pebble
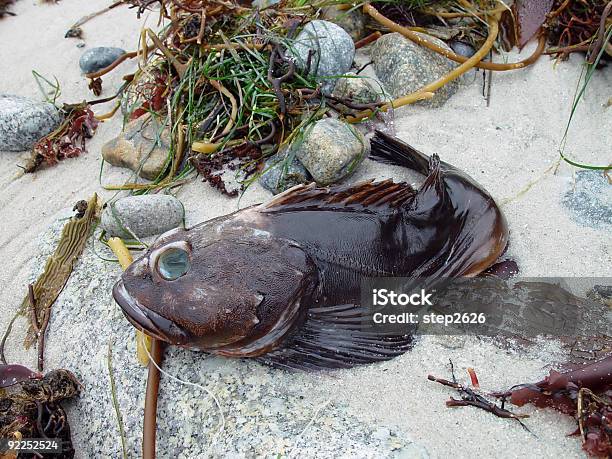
column 404, row 67
column 332, row 150
column 146, row 215
column 278, row 177
column 589, row 199
column 333, row 50
column 95, row 59
column 463, row 49
column 23, row 122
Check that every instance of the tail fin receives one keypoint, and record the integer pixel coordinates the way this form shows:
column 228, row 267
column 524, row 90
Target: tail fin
column 391, row 150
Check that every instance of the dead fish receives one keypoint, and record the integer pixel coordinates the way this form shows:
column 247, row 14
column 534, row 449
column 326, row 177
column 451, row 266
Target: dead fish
column 280, row 281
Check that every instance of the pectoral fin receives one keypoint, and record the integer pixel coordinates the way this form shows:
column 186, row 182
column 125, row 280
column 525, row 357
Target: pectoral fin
column 337, row 337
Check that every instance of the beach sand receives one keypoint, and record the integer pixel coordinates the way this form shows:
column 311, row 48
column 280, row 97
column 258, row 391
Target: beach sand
column 505, row 146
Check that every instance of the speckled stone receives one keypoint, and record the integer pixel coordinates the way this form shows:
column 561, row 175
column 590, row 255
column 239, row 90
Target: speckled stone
column 333, row 49
column 278, row 178
column 332, row 150
column 268, row 412
column 23, row 122
column 589, row 199
column 144, row 216
column 142, row 146
column 95, row 59
column 358, row 89
column 404, row 67
column 353, row 21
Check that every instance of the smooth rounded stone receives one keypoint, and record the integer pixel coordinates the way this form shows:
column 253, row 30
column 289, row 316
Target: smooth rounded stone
column 404, row 67
column 277, row 177
column 333, row 52
column 353, row 21
column 23, row 122
column 95, row 59
column 142, row 146
column 146, row 215
column 463, row 49
column 362, row 90
column 589, row 199
column 332, row 150
column 266, row 409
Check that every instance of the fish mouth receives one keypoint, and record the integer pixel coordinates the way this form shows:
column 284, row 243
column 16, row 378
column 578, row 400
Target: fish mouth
column 147, row 321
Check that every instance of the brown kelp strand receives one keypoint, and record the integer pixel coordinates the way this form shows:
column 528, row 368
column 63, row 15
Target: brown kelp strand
column 43, row 293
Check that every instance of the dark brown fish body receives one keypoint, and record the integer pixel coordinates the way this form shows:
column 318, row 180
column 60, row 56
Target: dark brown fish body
column 281, row 280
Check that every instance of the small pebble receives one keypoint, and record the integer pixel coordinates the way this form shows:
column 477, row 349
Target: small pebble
column 278, row 178
column 332, row 150
column 589, row 199
column 142, row 147
column 95, row 59
column 463, row 49
column 332, row 51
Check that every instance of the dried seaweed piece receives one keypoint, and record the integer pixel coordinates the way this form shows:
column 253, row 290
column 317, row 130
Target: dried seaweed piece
column 577, row 27
column 57, row 270
column 583, row 393
column 595, row 423
column 68, row 140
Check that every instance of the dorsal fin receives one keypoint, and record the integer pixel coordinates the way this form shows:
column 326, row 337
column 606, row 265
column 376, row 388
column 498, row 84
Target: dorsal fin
column 367, row 194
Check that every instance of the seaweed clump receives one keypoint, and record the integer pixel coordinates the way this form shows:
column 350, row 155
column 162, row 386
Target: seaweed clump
column 31, row 407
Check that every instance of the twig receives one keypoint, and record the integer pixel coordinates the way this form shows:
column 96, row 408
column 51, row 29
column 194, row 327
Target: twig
column 89, row 17
column 470, row 398
column 367, row 40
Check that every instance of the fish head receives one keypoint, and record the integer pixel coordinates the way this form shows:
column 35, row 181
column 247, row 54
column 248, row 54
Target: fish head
column 211, row 289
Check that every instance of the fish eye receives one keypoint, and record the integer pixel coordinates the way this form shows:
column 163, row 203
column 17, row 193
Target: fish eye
column 173, row 263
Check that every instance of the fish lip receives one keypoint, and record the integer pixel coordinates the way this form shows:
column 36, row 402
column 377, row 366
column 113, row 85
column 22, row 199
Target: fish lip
column 146, row 320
